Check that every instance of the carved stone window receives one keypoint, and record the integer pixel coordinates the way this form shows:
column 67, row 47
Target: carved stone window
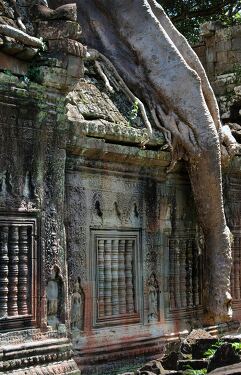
column 185, row 274
column 17, row 272
column 116, row 275
column 236, row 269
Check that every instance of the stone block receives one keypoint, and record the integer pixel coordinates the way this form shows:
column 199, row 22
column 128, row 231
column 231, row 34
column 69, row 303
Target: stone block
column 210, row 69
column 221, row 68
column 201, row 346
column 236, row 31
column 75, row 67
column 59, row 29
column 210, row 42
column 236, row 44
column 222, row 57
column 223, row 45
column 14, row 65
column 223, row 34
column 224, row 356
column 234, row 57
column 55, row 77
column 27, row 54
column 210, row 55
column 69, row 46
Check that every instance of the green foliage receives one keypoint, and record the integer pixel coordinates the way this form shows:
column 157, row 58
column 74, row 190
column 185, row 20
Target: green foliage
column 189, row 15
column 34, row 74
column 134, row 111
column 190, row 371
column 237, row 346
column 237, row 72
column 8, row 72
column 211, row 351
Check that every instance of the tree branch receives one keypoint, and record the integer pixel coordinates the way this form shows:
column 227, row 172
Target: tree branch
column 203, row 12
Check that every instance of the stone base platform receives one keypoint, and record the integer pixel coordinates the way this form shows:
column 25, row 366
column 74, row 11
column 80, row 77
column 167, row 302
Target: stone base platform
column 44, row 356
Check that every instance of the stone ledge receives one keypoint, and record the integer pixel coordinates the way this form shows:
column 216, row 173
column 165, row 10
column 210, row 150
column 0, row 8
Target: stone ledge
column 114, row 132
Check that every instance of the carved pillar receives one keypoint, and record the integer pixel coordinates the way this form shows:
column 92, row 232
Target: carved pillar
column 13, row 271
column 122, row 286
column 107, row 271
column 3, row 271
column 114, row 283
column 101, row 286
column 23, row 271
column 129, row 281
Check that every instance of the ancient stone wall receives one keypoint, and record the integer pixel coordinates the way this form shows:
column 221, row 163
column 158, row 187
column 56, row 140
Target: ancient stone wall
column 98, row 244
column 220, row 53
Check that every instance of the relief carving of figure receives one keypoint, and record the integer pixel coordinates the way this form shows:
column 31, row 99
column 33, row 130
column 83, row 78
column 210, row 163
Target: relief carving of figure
column 153, row 290
column 53, row 298
column 77, row 307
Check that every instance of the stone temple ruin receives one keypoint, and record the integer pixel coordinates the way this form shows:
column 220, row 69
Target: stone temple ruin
column 101, row 255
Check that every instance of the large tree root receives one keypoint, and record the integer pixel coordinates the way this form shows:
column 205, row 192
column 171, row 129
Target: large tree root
column 94, row 55
column 21, row 36
column 162, row 70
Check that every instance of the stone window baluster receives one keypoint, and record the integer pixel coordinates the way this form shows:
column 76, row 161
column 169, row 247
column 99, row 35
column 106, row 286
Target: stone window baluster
column 121, row 274
column 236, row 268
column 3, row 271
column 107, row 271
column 116, row 256
column 114, row 271
column 182, row 280
column 177, row 275
column 172, row 273
column 185, row 273
column 195, row 275
column 232, row 268
column 239, row 270
column 13, row 253
column 23, row 271
column 190, row 266
column 128, row 272
column 101, row 277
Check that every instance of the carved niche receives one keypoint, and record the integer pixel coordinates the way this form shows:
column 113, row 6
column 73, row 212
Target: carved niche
column 77, row 307
column 55, row 298
column 153, row 299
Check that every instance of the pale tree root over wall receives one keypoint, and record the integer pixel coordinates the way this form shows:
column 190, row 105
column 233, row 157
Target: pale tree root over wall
column 159, row 67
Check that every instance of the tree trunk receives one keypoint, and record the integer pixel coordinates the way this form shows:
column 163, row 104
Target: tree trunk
column 159, row 66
